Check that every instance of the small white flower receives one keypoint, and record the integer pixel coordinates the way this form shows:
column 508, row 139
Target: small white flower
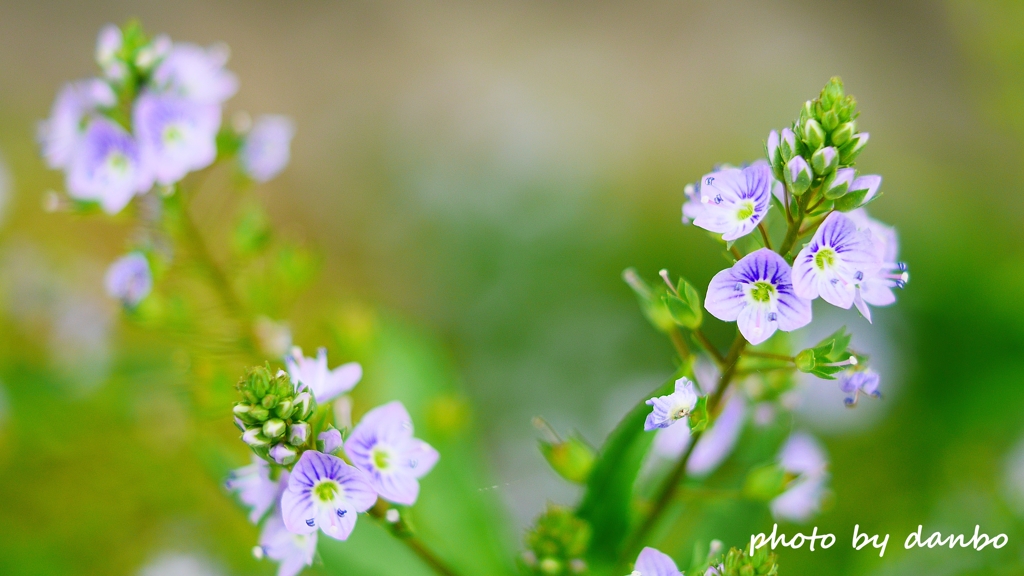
column 667, row 410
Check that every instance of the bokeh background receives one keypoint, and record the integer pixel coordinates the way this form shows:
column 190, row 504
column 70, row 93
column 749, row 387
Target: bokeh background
column 484, row 172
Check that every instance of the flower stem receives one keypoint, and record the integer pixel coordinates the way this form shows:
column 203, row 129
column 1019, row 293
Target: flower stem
column 671, row 484
column 404, row 534
column 764, row 235
column 709, row 347
column 768, row 355
column 680, row 343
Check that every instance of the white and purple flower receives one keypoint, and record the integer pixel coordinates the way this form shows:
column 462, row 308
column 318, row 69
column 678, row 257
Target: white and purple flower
column 734, row 200
column 803, row 457
column 129, row 279
column 667, row 410
column 267, row 147
column 176, row 136
column 60, row 134
column 196, row 73
column 837, row 259
column 382, row 445
column 254, row 487
column 106, row 167
column 876, row 288
column 856, row 382
column 291, row 551
column 313, row 374
column 652, row 562
column 326, row 493
column 757, row 293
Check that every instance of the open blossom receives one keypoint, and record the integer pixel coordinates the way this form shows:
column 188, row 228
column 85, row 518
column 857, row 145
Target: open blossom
column 254, row 487
column 326, row 493
column 106, row 167
column 382, row 445
column 667, row 410
column 129, row 279
column 803, row 457
column 856, row 382
column 196, row 73
column 313, row 374
column 652, row 562
column 876, row 287
column 735, row 200
column 835, row 261
column 291, row 551
column 175, row 135
column 267, row 147
column 60, row 134
column 757, row 293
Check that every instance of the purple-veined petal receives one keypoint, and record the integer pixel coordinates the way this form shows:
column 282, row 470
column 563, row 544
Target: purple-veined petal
column 755, row 325
column 298, row 511
column 419, row 457
column 726, row 297
column 292, row 551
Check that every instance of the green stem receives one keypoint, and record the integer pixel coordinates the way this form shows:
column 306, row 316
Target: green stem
column 671, row 483
column 680, row 343
column 764, row 235
column 768, row 355
column 404, row 534
column 793, row 230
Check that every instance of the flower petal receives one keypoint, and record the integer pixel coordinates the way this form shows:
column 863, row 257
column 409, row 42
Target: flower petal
column 653, row 562
column 297, row 511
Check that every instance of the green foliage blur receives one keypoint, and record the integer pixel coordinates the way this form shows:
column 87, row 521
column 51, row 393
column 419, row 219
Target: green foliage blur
column 468, row 184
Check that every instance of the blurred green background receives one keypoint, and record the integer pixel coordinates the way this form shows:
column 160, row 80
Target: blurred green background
column 477, row 177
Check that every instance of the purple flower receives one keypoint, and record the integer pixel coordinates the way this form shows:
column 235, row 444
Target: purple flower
column 129, row 279
column 267, row 147
column 667, row 410
column 757, row 293
column 855, row 382
column 876, row 288
column 803, row 457
column 382, row 446
column 692, row 208
column 653, row 562
column 108, row 44
column 838, row 257
column 254, row 487
column 735, row 200
column 106, row 167
column 61, row 133
column 176, row 136
column 324, row 492
column 196, row 73
column 312, row 373
column 292, row 551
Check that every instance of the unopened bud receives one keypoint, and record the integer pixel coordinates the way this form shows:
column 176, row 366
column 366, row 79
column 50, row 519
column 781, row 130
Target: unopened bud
column 274, row 428
column 298, row 433
column 814, row 135
column 254, row 437
column 825, row 160
column 329, row 441
column 243, row 412
column 772, row 148
column 269, row 401
column 830, row 120
column 842, row 134
column 787, row 144
column 284, row 409
column 839, row 183
column 241, row 425
column 798, row 175
column 259, row 413
column 849, row 152
column 304, row 406
column 283, row 455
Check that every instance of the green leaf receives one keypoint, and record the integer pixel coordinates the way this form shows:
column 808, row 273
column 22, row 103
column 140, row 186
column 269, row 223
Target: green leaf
column 606, row 504
column 764, row 483
column 651, row 301
column 572, row 459
column 699, row 418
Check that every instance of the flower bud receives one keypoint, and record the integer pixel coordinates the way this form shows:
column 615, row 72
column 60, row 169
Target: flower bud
column 298, row 433
column 259, row 413
column 825, row 160
column 243, row 412
column 269, row 401
column 814, row 135
column 254, row 437
column 274, row 428
column 787, row 144
column 283, row 455
column 842, row 134
column 329, row 441
column 839, row 183
column 572, row 459
column 284, row 409
column 303, row 405
column 798, row 175
column 849, row 151
column 772, row 148
column 830, row 121
column 240, row 424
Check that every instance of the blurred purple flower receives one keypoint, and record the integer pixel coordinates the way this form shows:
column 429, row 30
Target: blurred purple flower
column 855, row 382
column 292, row 551
column 875, row 288
column 667, row 410
column 734, row 200
column 129, row 279
column 267, row 147
column 196, row 73
column 803, row 457
column 757, row 293
column 106, row 167
column 652, row 562
column 312, row 373
column 254, row 487
column 382, row 445
column 176, row 136
column 326, row 493
column 837, row 258
column 108, row 44
column 60, row 134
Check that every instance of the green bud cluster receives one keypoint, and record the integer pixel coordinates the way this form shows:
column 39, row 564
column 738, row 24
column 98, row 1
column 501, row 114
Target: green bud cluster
column 737, row 563
column 556, row 544
column 830, row 120
column 271, row 414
